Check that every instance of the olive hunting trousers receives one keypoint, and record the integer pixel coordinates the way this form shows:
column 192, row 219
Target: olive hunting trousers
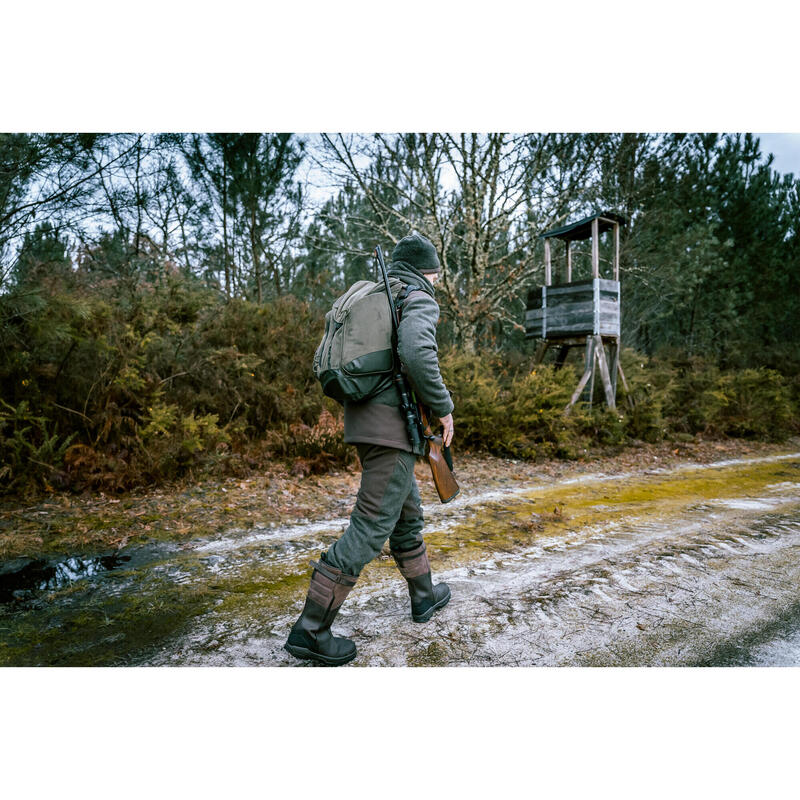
column 388, row 506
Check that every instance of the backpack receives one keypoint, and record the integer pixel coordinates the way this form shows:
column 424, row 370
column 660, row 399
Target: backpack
column 354, row 359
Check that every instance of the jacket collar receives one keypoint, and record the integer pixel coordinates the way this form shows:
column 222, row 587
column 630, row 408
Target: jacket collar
column 410, row 274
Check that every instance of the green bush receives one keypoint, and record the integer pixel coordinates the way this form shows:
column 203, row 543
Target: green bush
column 688, row 396
column 151, row 381
column 111, row 383
column 753, row 403
column 30, row 446
column 510, row 411
column 503, row 408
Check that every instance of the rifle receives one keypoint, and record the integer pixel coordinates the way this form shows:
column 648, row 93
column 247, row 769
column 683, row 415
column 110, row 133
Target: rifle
column 417, row 423
column 441, row 461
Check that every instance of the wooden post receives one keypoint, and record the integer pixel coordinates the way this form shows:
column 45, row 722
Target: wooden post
column 616, row 251
column 546, row 262
column 631, row 403
column 600, row 352
column 561, row 356
column 595, row 248
column 540, row 351
column 589, row 367
column 577, row 393
column 622, row 375
column 614, row 366
column 569, row 263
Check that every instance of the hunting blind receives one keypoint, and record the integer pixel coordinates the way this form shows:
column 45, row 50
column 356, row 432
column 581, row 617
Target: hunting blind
column 582, row 313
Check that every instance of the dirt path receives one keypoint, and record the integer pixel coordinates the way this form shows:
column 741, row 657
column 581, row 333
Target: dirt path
column 665, row 563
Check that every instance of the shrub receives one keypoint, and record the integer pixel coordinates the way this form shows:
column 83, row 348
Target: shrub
column 753, row 403
column 111, row 383
column 30, row 447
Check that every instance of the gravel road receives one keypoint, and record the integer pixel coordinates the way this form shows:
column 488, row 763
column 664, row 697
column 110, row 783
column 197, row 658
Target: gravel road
column 690, row 565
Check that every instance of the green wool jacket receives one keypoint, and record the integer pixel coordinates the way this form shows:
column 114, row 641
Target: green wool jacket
column 378, row 419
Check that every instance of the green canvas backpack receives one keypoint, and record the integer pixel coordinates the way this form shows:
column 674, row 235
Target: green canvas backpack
column 354, row 359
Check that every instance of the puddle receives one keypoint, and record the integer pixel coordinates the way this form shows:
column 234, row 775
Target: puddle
column 43, row 575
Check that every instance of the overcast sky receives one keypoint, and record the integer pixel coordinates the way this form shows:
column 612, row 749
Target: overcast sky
column 784, row 146
column 786, row 149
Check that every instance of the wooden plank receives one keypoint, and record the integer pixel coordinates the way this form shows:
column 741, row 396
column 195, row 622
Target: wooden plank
column 595, row 248
column 568, row 341
column 616, row 251
column 588, row 361
column 569, row 262
column 544, row 312
column 547, row 277
column 609, row 323
column 572, row 304
column 573, row 330
column 614, row 359
column 533, row 330
column 540, row 351
column 576, row 286
column 577, row 393
column 622, row 376
column 574, row 318
column 565, row 321
column 600, row 353
column 569, row 330
column 534, row 313
column 584, row 296
column 606, row 286
column 570, row 311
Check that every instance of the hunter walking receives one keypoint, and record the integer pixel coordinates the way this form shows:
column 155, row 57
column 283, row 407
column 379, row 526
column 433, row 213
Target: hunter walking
column 388, row 504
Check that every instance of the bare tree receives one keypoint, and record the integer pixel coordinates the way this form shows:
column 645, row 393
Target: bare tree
column 481, row 198
column 53, row 178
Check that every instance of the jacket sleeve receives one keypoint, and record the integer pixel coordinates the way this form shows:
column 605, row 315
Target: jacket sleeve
column 416, row 346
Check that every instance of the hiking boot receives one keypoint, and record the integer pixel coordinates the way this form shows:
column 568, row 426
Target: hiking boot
column 311, row 636
column 425, row 597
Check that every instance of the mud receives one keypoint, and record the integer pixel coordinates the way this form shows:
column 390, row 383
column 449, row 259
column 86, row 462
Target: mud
column 692, row 565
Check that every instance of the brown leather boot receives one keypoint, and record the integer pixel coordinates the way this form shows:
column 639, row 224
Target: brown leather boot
column 311, row 636
column 425, row 597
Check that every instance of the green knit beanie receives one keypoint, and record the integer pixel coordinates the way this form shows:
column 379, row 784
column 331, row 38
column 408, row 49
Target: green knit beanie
column 417, row 251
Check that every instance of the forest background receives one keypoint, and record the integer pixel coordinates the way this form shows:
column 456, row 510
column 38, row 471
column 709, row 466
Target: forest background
column 161, row 295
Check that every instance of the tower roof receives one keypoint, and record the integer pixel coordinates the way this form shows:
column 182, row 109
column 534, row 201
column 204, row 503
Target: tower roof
column 582, row 229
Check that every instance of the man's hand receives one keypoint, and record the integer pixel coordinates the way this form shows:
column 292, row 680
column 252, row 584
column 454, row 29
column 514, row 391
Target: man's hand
column 447, row 423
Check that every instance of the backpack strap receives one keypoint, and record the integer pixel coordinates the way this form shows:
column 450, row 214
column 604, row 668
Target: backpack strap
column 403, row 296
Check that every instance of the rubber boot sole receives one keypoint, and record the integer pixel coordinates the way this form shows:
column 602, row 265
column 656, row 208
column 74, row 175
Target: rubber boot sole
column 328, row 661
column 434, row 608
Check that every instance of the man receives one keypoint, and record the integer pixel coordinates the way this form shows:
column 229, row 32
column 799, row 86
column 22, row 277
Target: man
column 388, row 504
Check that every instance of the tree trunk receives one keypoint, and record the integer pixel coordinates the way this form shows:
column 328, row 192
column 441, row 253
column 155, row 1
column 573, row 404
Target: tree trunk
column 254, row 250
column 225, row 256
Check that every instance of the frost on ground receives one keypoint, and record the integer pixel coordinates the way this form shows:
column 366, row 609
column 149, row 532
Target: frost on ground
column 685, row 566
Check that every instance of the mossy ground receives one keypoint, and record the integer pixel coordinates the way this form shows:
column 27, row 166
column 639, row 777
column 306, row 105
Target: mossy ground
column 132, row 615
column 66, row 524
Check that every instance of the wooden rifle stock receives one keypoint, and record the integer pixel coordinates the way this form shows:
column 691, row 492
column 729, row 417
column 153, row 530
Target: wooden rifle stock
column 437, row 455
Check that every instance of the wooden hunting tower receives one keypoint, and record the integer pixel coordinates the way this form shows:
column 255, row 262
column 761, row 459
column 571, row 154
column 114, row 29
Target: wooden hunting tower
column 584, row 313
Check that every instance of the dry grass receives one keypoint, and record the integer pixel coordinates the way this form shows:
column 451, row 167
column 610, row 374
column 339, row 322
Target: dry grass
column 181, row 511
